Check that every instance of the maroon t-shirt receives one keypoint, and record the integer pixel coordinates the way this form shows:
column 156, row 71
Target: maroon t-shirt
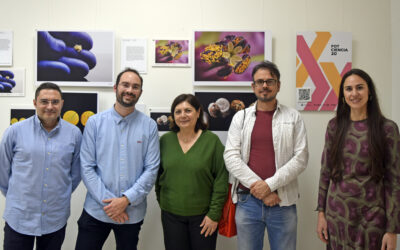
column 262, row 154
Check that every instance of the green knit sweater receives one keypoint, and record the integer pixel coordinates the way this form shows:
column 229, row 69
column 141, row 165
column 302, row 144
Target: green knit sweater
column 195, row 182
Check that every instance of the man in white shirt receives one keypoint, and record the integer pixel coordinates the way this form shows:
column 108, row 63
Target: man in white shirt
column 265, row 151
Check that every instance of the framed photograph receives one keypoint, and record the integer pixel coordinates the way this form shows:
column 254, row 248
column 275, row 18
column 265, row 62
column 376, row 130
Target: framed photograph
column 171, row 53
column 19, row 113
column 220, row 107
column 162, row 116
column 322, row 59
column 227, row 58
column 75, row 58
column 78, row 107
column 12, row 82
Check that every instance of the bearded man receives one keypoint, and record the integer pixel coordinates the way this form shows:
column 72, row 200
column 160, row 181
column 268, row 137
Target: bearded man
column 120, row 157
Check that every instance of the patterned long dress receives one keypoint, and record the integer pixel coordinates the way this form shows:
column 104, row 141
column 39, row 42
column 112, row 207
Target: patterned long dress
column 359, row 210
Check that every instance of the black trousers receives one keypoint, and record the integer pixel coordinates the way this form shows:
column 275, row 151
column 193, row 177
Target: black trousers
column 183, row 233
column 92, row 234
column 16, row 241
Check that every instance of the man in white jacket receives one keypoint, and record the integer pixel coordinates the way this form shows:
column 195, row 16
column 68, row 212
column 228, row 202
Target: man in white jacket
column 265, row 151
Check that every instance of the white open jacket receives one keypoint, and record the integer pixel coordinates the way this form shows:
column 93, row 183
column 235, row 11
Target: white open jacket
column 290, row 146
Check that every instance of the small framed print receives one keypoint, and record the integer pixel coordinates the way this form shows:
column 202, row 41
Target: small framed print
column 21, row 112
column 162, row 116
column 171, row 53
column 220, row 106
column 12, row 82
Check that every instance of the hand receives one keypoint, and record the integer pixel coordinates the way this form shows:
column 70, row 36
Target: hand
column 389, row 241
column 322, row 227
column 116, row 207
column 120, row 218
column 209, row 226
column 260, row 189
column 272, row 199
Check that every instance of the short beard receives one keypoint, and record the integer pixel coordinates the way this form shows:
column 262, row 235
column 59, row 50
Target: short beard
column 120, row 100
column 266, row 99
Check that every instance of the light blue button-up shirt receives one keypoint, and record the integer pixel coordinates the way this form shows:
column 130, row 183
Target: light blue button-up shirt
column 119, row 156
column 38, row 172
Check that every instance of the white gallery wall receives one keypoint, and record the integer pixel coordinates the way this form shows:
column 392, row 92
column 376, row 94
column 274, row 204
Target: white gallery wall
column 373, row 24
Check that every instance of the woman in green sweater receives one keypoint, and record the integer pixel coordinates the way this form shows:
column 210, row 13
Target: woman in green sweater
column 192, row 183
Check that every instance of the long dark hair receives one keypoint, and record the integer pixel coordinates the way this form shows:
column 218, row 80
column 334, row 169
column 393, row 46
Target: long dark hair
column 375, row 121
column 192, row 100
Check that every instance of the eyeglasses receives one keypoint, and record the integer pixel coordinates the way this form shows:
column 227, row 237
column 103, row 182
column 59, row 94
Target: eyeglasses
column 269, row 82
column 46, row 102
column 135, row 87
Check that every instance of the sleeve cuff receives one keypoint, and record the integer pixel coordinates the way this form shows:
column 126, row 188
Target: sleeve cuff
column 214, row 216
column 271, row 184
column 127, row 199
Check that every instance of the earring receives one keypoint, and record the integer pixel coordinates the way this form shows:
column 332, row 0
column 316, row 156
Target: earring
column 344, row 102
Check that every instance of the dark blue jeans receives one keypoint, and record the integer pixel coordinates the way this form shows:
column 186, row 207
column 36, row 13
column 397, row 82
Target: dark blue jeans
column 16, row 241
column 92, row 234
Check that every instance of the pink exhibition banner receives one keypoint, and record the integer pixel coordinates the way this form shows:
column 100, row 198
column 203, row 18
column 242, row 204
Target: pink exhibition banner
column 322, row 59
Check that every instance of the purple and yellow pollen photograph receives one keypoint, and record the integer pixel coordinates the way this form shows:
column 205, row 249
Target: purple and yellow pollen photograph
column 171, row 53
column 227, row 58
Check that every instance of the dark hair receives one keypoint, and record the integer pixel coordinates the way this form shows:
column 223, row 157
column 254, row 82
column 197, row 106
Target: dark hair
column 376, row 136
column 128, row 70
column 48, row 85
column 192, row 100
column 273, row 69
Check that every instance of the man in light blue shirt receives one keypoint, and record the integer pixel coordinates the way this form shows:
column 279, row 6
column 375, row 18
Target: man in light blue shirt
column 39, row 169
column 119, row 163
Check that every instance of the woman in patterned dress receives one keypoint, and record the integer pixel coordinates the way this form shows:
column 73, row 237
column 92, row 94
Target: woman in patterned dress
column 359, row 187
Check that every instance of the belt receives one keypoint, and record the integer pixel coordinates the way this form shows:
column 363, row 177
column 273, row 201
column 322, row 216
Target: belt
column 241, row 191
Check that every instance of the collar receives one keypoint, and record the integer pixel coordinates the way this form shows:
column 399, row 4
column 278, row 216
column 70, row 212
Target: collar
column 118, row 118
column 253, row 108
column 38, row 123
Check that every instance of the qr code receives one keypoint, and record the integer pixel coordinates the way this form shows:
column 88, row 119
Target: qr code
column 304, row 95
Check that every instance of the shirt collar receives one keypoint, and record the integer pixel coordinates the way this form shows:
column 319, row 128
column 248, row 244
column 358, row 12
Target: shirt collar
column 39, row 124
column 118, row 118
column 254, row 107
